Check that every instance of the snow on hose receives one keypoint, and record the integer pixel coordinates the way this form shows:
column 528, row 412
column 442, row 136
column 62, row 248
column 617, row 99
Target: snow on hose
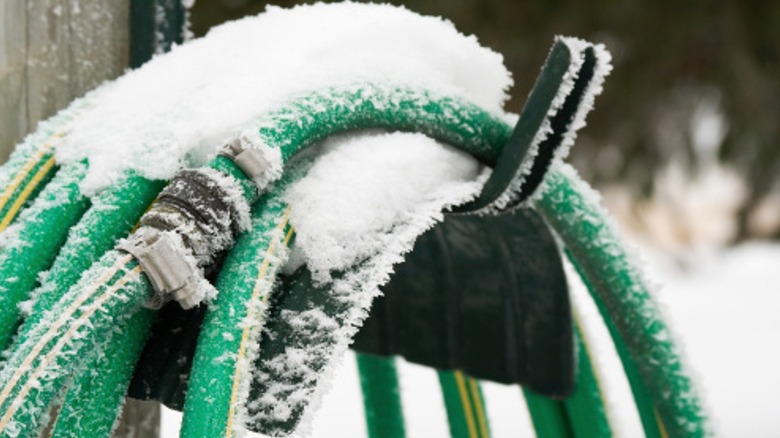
column 62, row 357
column 203, row 212
column 57, row 342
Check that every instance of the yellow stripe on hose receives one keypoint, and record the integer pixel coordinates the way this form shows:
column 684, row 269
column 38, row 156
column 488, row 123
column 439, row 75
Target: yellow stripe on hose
column 26, row 169
column 661, row 427
column 49, row 334
column 252, row 312
column 23, row 172
column 80, row 321
column 464, row 399
column 481, row 419
column 28, row 189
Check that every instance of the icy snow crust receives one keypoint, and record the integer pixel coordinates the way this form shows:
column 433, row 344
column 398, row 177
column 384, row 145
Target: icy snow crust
column 175, row 110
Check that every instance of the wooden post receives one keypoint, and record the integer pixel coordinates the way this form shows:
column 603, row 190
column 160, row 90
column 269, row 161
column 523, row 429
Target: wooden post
column 140, row 419
column 51, row 52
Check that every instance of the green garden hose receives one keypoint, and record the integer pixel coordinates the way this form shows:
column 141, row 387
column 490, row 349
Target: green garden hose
column 548, row 416
column 113, row 290
column 42, row 363
column 581, row 415
column 648, row 414
column 22, row 176
column 672, row 413
column 300, row 124
column 219, row 382
column 32, row 247
column 94, row 400
column 572, row 210
column 32, row 164
column 466, row 413
column 45, row 231
column 585, row 407
column 29, row 180
column 111, row 216
column 381, row 396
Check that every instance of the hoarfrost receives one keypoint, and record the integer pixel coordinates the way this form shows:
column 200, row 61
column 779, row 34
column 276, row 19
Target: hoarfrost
column 602, row 68
column 625, row 273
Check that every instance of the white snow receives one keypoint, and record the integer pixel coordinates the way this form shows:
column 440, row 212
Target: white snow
column 363, row 190
column 179, row 107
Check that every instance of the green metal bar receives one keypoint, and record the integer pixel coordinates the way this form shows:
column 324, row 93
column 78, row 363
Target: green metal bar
column 381, row 396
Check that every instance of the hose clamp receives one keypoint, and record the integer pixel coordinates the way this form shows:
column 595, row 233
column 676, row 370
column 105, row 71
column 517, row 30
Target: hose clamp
column 248, row 159
column 166, row 267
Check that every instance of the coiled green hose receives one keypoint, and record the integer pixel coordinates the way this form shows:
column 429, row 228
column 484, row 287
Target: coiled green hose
column 623, row 296
column 381, row 396
column 32, row 164
column 113, row 290
column 305, row 121
column 32, row 247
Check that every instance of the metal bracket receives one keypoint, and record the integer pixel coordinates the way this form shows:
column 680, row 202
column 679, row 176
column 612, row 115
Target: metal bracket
column 166, row 268
column 249, row 160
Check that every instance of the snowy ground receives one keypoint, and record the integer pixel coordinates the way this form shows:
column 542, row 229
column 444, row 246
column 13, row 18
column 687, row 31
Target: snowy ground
column 725, row 309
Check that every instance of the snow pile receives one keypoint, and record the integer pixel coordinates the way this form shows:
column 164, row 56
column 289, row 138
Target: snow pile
column 364, row 194
column 176, row 109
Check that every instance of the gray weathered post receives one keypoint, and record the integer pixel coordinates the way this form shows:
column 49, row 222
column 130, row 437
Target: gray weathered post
column 51, row 52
